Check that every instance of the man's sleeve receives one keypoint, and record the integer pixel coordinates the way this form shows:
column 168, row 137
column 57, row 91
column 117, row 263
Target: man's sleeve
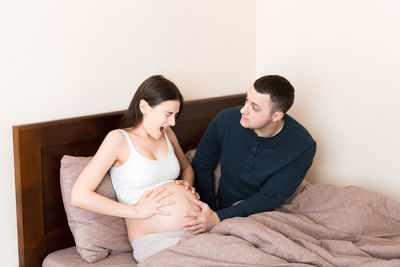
column 205, row 161
column 275, row 190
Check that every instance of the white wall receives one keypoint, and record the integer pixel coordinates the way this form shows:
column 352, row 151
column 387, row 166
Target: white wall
column 62, row 59
column 343, row 58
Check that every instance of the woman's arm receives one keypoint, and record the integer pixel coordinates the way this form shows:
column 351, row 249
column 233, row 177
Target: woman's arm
column 187, row 173
column 83, row 193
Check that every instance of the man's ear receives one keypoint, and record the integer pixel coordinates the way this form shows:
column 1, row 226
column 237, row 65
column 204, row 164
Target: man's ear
column 278, row 115
column 144, row 106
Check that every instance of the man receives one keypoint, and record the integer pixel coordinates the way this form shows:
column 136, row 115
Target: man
column 264, row 155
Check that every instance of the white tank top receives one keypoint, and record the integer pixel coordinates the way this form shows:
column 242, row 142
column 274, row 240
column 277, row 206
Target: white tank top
column 139, row 173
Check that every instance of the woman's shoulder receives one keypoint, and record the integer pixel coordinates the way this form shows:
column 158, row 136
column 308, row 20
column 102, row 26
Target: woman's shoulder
column 112, row 145
column 115, row 137
column 171, row 135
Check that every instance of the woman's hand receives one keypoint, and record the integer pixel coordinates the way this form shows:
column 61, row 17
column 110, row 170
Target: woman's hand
column 151, row 202
column 187, row 186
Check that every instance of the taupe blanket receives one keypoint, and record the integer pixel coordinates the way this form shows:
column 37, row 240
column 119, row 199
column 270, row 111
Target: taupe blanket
column 323, row 225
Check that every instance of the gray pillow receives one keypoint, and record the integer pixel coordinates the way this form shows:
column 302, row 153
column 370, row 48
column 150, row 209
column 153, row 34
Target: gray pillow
column 95, row 235
column 217, row 172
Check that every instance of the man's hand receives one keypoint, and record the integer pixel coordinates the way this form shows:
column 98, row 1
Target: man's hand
column 204, row 219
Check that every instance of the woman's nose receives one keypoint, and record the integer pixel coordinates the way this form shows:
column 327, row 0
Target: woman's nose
column 172, row 121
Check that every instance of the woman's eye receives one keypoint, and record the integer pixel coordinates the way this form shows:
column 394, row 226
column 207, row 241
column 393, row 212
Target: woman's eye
column 168, row 114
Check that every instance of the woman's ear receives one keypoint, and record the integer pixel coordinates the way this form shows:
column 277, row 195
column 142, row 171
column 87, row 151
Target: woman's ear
column 144, row 106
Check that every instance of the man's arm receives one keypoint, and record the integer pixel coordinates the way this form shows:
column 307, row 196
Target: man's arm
column 275, row 190
column 271, row 195
column 205, row 161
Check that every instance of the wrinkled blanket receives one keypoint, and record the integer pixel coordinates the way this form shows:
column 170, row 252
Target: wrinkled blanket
column 323, row 225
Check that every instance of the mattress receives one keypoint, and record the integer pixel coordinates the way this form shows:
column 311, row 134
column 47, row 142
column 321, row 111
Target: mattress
column 70, row 257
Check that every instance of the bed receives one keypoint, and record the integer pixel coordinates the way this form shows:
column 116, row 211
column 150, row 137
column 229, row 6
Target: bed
column 321, row 225
column 38, row 149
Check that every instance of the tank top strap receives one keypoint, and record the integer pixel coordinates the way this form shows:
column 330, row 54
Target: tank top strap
column 128, row 139
column 170, row 147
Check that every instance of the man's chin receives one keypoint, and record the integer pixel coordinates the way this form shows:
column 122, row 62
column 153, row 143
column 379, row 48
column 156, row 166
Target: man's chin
column 244, row 124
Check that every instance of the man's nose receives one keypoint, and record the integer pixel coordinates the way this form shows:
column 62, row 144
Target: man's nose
column 244, row 109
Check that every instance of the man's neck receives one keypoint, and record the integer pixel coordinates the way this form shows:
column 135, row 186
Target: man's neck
column 270, row 130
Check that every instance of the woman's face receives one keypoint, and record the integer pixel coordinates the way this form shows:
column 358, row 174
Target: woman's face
column 158, row 118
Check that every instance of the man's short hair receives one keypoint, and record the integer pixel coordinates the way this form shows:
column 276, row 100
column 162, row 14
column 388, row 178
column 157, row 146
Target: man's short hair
column 279, row 89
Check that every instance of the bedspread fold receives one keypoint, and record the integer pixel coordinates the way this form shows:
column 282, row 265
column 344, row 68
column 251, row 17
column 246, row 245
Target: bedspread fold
column 323, row 225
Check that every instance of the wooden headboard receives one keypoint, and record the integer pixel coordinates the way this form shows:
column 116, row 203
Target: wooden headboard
column 38, row 149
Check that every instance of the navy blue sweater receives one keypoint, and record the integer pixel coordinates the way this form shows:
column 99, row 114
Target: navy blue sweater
column 263, row 172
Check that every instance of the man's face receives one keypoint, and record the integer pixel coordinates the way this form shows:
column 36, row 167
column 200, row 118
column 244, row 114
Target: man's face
column 257, row 112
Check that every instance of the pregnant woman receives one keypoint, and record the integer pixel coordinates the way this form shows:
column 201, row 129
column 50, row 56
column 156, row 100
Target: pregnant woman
column 144, row 159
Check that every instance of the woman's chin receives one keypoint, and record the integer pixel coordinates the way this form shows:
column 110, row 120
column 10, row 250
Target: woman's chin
column 156, row 135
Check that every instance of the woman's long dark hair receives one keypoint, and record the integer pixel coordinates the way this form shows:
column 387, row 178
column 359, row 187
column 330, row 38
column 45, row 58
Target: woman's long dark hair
column 153, row 90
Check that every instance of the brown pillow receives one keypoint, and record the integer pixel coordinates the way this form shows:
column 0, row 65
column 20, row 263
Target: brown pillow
column 95, row 235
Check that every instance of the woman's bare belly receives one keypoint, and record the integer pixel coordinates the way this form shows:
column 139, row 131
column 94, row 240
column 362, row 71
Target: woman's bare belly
column 162, row 223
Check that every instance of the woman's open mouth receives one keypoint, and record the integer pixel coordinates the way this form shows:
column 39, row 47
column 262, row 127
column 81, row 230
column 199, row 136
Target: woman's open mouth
column 162, row 130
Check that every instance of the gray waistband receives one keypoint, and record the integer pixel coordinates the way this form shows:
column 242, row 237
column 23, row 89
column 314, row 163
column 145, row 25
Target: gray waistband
column 148, row 245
